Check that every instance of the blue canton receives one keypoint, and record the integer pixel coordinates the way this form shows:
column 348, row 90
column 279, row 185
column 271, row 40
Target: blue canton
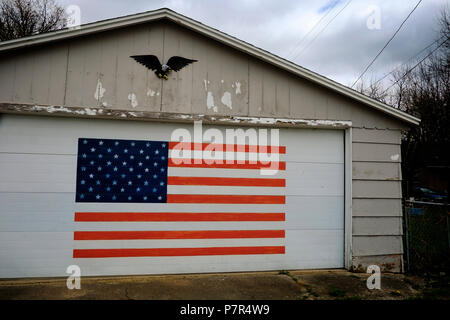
column 121, row 171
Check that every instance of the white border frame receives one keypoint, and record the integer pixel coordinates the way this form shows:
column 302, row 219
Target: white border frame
column 345, row 126
column 348, row 200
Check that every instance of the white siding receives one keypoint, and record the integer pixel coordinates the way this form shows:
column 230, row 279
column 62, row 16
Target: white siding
column 377, row 213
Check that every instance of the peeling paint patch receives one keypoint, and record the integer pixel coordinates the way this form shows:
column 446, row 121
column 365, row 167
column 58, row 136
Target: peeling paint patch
column 90, row 112
column 226, row 100
column 109, row 113
column 133, row 100
column 311, row 123
column 51, row 109
column 395, row 157
column 238, row 88
column 99, row 91
column 210, row 102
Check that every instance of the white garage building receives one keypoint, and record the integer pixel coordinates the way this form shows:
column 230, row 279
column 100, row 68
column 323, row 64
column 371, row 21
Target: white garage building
column 90, row 173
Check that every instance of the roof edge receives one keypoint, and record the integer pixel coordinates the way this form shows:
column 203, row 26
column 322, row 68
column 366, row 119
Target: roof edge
column 85, row 29
column 217, row 35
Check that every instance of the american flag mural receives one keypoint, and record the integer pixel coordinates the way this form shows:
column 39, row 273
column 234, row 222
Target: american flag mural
column 115, row 172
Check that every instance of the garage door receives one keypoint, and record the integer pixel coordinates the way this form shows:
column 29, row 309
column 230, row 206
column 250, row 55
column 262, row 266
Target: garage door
column 114, row 198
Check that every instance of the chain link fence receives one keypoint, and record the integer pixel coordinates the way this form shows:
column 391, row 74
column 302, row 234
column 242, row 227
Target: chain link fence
column 427, row 237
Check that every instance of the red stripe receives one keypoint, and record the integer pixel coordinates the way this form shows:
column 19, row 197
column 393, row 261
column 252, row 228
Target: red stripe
column 176, row 216
column 215, row 181
column 230, row 199
column 163, row 235
column 174, row 252
column 226, row 147
column 202, row 163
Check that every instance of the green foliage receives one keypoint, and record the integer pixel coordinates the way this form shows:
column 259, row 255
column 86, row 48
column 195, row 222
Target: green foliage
column 428, row 242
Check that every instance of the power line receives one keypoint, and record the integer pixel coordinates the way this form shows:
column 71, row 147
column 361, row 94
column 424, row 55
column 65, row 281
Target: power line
column 381, row 51
column 411, row 58
column 310, row 30
column 415, row 66
column 319, row 33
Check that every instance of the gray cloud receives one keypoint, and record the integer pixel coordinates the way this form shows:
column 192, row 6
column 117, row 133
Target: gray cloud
column 341, row 52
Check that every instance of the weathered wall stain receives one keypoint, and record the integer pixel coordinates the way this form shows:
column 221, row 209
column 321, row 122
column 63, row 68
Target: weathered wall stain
column 133, row 99
column 98, row 71
column 226, row 100
column 100, row 93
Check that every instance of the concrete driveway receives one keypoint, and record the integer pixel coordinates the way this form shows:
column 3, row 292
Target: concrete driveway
column 282, row 285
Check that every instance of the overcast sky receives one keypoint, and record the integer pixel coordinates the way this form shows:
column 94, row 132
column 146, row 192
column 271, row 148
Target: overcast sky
column 340, row 52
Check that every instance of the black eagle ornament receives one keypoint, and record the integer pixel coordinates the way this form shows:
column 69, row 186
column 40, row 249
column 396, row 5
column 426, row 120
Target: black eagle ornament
column 175, row 63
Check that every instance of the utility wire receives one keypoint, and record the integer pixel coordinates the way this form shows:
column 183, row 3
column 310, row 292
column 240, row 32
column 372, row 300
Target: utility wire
column 310, row 30
column 381, row 51
column 412, row 58
column 323, row 29
column 415, row 66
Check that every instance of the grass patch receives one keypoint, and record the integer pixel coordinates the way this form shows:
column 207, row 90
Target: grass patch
column 436, row 287
column 284, row 272
column 287, row 273
column 406, row 280
column 396, row 293
column 353, row 298
column 312, row 292
column 337, row 293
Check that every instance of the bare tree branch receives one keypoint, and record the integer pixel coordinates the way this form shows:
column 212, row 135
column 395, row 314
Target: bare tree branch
column 425, row 92
column 21, row 18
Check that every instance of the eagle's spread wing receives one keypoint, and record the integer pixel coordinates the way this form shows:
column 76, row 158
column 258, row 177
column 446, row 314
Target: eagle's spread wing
column 150, row 61
column 177, row 63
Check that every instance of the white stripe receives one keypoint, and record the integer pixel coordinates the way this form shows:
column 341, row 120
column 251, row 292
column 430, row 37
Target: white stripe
column 179, row 226
column 177, row 207
column 206, row 155
column 214, row 190
column 187, row 243
column 222, row 173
